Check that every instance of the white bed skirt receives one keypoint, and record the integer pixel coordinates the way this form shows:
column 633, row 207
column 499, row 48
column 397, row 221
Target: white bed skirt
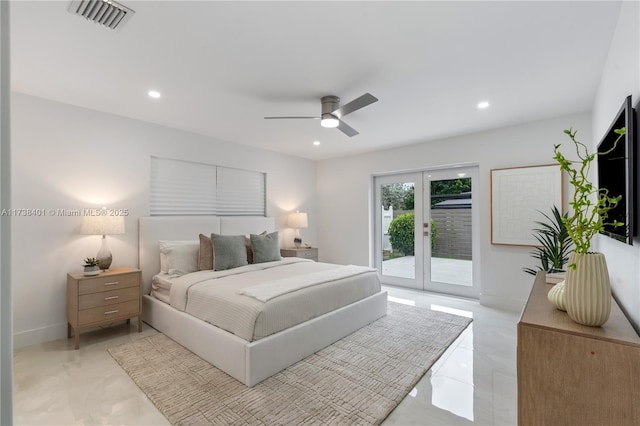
column 252, row 362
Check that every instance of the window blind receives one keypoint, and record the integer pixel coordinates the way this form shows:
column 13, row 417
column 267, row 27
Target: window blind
column 240, row 192
column 189, row 188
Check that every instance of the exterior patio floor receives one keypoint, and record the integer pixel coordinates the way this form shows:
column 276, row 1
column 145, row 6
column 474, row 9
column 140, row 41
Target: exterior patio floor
column 451, row 271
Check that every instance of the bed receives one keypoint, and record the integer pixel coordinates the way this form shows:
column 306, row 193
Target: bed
column 249, row 359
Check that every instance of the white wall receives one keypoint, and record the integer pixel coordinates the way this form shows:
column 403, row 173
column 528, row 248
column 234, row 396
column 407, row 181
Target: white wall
column 620, row 78
column 65, row 157
column 344, row 183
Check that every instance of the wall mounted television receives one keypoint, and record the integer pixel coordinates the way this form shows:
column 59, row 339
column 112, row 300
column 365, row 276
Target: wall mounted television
column 617, row 172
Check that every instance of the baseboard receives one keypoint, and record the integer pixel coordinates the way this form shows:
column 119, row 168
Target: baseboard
column 512, row 304
column 23, row 339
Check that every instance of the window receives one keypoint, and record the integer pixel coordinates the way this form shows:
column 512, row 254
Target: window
column 189, row 188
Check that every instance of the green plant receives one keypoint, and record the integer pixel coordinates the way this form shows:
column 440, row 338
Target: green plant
column 91, row 261
column 555, row 243
column 401, row 233
column 588, row 216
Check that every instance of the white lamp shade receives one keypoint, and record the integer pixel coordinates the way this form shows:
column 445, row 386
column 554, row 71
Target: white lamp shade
column 102, row 225
column 298, row 220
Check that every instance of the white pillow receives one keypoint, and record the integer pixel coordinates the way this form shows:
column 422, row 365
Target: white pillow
column 178, row 257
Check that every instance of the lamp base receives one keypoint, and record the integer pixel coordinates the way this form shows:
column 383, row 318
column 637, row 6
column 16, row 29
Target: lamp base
column 104, row 256
column 104, row 262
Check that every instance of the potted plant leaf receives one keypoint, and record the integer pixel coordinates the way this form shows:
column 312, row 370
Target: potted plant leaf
column 587, row 288
column 91, row 266
column 554, row 243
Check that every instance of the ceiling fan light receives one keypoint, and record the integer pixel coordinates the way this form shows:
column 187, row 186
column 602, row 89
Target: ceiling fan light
column 329, row 121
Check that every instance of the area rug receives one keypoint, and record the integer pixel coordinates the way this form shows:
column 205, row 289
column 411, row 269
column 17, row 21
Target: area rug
column 357, row 380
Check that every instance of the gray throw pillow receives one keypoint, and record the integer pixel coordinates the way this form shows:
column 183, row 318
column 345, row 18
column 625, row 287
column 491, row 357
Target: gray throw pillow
column 229, row 251
column 266, row 248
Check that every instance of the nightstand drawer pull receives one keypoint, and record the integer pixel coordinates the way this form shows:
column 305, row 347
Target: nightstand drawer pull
column 112, row 283
column 112, row 312
column 111, row 297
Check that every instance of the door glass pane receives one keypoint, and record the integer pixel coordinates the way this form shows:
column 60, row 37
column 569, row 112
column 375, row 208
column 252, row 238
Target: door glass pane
column 398, row 229
column 451, row 208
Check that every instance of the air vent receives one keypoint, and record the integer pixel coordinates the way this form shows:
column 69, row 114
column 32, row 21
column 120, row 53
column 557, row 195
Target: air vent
column 104, row 12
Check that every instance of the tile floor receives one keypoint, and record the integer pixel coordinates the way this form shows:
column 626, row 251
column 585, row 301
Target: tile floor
column 474, row 382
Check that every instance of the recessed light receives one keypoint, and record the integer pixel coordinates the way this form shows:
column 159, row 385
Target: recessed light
column 483, row 105
column 462, row 175
column 154, row 94
column 316, row 143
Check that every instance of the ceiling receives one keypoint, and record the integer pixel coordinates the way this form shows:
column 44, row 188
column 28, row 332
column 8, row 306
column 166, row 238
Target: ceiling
column 222, row 66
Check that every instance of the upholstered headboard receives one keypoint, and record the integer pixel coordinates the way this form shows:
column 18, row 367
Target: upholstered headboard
column 156, row 228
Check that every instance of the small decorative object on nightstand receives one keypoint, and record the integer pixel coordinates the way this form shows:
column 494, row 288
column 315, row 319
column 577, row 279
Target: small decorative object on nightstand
column 306, row 253
column 112, row 296
column 91, row 266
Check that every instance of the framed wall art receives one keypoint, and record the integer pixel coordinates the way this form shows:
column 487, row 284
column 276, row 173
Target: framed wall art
column 518, row 195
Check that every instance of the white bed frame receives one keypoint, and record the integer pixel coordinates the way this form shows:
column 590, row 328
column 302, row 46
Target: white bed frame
column 248, row 362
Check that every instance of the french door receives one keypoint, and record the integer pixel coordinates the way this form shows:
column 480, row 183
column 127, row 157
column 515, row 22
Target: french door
column 426, row 230
column 398, row 202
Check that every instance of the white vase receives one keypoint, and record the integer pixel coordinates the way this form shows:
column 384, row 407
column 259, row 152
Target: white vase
column 588, row 289
column 556, row 296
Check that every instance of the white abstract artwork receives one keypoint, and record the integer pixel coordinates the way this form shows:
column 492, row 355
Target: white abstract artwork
column 518, row 195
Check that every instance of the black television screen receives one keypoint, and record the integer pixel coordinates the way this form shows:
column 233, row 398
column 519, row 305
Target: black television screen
column 617, row 171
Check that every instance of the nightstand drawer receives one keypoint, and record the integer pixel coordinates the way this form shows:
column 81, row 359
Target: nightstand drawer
column 105, row 298
column 305, row 253
column 104, row 313
column 114, row 282
column 308, row 254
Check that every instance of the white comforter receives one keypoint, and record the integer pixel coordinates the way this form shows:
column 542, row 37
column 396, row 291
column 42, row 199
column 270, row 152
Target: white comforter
column 295, row 293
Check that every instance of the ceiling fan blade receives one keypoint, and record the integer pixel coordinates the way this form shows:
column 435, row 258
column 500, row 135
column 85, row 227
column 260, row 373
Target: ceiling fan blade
column 288, row 118
column 354, row 105
column 346, row 129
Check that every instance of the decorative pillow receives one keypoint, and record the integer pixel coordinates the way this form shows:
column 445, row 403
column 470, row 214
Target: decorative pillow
column 178, row 257
column 206, row 260
column 229, row 251
column 266, row 248
column 247, row 242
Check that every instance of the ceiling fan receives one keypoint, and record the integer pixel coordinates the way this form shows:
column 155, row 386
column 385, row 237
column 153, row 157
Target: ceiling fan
column 332, row 112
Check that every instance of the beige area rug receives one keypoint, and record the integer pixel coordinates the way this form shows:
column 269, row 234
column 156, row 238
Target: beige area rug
column 357, row 380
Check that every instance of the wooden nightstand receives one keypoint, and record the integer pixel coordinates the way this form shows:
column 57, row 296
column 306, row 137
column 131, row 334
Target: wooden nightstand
column 115, row 295
column 306, row 253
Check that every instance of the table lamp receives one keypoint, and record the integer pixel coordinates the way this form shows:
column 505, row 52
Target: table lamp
column 103, row 225
column 298, row 220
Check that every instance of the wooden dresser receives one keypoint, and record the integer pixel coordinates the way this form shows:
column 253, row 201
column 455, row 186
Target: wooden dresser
column 112, row 296
column 570, row 374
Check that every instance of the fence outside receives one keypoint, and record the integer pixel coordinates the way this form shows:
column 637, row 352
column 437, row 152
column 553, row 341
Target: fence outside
column 454, row 233
column 387, row 217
